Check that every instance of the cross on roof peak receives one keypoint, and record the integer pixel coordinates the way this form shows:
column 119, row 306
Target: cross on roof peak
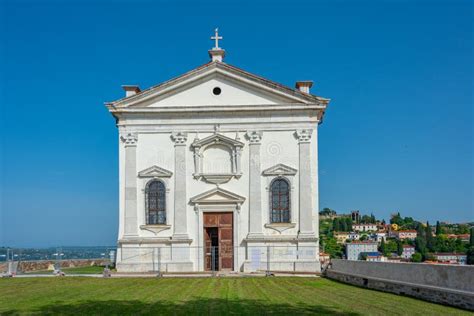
column 216, row 37
column 216, row 53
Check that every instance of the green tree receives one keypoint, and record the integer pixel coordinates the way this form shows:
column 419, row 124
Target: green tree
column 335, row 224
column 332, row 248
column 391, row 246
column 365, row 219
column 471, row 238
column 409, row 223
column 420, row 230
column 397, row 219
column 344, row 227
column 461, row 229
column 438, row 229
column 372, row 218
column 349, row 223
column 470, row 255
column 417, row 257
column 399, row 247
column 430, row 242
column 382, row 247
column 420, row 246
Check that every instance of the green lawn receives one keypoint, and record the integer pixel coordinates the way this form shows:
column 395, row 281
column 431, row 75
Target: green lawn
column 216, row 296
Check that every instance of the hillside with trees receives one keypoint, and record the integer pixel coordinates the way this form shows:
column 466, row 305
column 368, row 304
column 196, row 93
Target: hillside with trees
column 439, row 238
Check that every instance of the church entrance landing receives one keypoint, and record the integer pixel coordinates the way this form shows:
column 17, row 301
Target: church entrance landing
column 218, row 241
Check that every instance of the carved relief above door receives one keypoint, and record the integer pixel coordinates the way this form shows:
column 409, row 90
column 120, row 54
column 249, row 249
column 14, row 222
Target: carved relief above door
column 217, row 158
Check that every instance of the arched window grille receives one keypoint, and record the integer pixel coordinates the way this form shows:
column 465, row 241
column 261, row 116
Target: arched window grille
column 280, row 201
column 156, row 203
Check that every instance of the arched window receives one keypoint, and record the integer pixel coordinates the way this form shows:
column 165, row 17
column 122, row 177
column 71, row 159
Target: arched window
column 280, row 201
column 156, row 203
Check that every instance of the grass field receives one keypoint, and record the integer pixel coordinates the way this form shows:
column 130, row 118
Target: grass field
column 210, row 296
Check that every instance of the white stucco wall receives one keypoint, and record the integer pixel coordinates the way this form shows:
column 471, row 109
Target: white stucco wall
column 279, row 145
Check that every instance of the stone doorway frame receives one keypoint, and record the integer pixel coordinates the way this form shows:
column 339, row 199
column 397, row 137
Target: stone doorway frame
column 220, row 201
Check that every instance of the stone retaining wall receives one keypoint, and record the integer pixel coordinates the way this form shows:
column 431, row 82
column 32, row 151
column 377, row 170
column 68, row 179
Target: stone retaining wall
column 444, row 284
column 37, row 265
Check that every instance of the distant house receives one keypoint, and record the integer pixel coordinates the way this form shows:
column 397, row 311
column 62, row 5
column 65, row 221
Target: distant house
column 408, row 251
column 450, row 258
column 463, row 237
column 405, row 234
column 364, row 227
column 356, row 248
column 381, row 227
column 375, row 257
column 394, row 259
column 341, row 237
column 353, row 236
column 379, row 236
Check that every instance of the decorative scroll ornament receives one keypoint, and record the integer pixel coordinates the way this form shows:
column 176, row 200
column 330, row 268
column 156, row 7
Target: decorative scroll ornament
column 179, row 138
column 129, row 139
column 304, row 135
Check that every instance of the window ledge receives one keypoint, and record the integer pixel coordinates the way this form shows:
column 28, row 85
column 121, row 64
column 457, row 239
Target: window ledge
column 155, row 228
column 280, row 227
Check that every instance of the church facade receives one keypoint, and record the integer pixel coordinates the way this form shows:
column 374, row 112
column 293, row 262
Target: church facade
column 218, row 170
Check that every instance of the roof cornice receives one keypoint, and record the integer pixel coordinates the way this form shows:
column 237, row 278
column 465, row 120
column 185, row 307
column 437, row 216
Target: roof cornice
column 225, row 70
column 218, row 108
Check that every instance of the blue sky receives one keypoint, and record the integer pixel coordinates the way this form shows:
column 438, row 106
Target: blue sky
column 397, row 136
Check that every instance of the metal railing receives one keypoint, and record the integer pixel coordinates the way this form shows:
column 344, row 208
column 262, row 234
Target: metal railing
column 266, row 259
column 171, row 258
column 54, row 253
column 20, row 260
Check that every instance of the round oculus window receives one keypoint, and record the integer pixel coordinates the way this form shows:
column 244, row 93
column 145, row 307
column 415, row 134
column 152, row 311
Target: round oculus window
column 216, row 91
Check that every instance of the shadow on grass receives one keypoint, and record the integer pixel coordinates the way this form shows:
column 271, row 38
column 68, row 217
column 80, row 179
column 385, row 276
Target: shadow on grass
column 202, row 306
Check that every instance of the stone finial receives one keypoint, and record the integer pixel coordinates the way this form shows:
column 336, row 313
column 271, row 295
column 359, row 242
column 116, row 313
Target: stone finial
column 196, row 138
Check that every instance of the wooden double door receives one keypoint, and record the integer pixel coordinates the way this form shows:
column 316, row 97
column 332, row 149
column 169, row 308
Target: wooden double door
column 218, row 241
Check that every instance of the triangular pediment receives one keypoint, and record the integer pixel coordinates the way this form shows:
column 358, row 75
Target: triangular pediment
column 215, row 139
column 155, row 171
column 217, row 195
column 195, row 88
column 280, row 170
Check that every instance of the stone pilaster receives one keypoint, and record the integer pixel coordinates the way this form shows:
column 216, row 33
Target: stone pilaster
column 306, row 229
column 180, row 230
column 130, row 208
column 255, row 199
column 315, row 180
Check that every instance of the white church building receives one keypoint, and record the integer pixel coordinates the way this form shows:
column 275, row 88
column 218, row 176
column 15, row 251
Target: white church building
column 218, row 170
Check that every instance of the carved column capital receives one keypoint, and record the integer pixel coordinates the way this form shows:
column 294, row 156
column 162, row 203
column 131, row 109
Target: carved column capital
column 304, row 135
column 179, row 138
column 255, row 137
column 129, row 139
